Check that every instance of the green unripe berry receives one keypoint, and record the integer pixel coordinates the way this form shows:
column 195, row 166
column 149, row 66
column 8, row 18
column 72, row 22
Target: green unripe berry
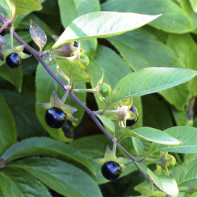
column 85, row 59
column 106, row 90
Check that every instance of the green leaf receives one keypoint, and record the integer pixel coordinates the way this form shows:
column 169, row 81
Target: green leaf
column 151, row 134
column 44, row 146
column 150, row 80
column 23, row 6
column 71, row 9
column 187, row 135
column 142, row 49
column 173, row 18
column 188, row 176
column 93, row 25
column 26, row 183
column 43, row 94
column 107, row 122
column 60, row 176
column 8, row 187
column 38, row 35
column 164, row 183
column 7, row 126
column 75, row 70
column 138, row 146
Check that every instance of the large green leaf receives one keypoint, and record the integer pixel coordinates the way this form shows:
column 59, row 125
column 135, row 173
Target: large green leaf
column 185, row 174
column 23, row 6
column 7, row 126
column 71, row 9
column 150, row 80
column 94, row 25
column 151, row 134
column 142, row 49
column 44, row 146
column 173, row 18
column 26, row 183
column 60, row 176
column 164, row 183
column 187, row 135
column 43, row 93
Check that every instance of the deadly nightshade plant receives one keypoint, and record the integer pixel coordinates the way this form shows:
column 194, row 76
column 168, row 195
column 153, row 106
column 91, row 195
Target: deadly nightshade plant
column 123, row 109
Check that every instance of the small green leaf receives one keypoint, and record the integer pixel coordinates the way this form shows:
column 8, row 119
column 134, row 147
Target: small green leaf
column 75, row 70
column 165, row 183
column 93, row 25
column 23, row 6
column 26, row 183
column 107, row 122
column 61, row 177
column 187, row 135
column 38, row 35
column 150, row 80
column 152, row 135
column 7, row 126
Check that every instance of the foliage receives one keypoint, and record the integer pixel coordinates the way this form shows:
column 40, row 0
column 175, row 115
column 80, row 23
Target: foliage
column 145, row 51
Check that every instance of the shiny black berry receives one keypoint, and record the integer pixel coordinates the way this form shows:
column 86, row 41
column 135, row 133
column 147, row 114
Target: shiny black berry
column 111, row 170
column 131, row 122
column 13, row 60
column 55, row 117
column 68, row 129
